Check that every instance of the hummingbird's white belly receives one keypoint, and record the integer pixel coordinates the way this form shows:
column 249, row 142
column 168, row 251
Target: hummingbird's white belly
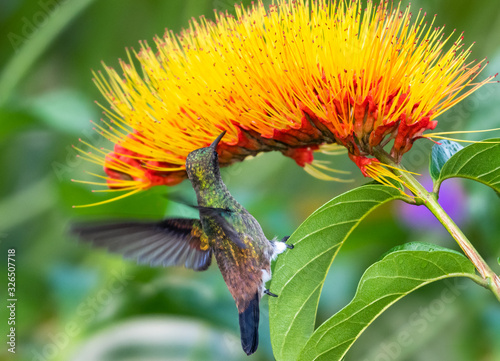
column 278, row 248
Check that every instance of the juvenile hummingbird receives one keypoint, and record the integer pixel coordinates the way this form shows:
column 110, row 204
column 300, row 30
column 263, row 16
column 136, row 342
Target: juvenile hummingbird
column 224, row 229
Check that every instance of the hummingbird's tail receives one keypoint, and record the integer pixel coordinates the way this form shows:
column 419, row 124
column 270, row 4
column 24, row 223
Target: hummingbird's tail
column 249, row 326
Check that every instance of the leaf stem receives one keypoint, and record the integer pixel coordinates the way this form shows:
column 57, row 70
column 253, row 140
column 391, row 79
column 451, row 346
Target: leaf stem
column 34, row 46
column 430, row 200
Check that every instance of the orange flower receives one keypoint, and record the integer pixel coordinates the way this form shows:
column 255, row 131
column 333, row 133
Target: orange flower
column 295, row 78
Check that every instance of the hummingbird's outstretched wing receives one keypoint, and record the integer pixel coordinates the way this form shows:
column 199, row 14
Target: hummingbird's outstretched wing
column 171, row 242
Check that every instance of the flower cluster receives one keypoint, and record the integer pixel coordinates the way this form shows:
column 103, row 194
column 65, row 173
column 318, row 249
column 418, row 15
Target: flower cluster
column 296, row 77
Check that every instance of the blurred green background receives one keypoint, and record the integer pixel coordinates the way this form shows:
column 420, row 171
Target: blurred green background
column 75, row 303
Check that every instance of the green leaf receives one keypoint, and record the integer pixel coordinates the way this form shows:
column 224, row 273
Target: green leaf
column 14, row 121
column 403, row 270
column 63, row 110
column 418, row 246
column 299, row 274
column 479, row 161
column 440, row 155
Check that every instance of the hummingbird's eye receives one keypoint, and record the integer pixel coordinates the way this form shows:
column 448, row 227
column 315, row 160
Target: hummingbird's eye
column 215, row 159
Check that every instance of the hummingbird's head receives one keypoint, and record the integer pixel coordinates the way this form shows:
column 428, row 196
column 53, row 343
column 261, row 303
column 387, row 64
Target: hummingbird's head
column 204, row 162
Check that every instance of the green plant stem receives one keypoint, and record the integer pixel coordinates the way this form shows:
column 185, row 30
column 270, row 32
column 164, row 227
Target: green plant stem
column 34, row 46
column 430, row 200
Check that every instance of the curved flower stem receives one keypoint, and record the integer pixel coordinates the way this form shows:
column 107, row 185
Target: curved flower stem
column 429, row 199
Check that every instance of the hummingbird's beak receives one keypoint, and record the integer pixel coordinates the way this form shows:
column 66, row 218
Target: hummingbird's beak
column 214, row 144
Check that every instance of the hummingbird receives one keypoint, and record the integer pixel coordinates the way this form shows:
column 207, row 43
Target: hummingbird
column 225, row 229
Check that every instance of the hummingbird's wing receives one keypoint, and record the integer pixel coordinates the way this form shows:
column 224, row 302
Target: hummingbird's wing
column 222, row 218
column 220, row 215
column 171, row 242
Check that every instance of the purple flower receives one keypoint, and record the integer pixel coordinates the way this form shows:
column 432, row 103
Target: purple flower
column 451, row 198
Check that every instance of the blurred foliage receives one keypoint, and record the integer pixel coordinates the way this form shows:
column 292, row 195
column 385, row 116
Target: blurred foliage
column 75, row 303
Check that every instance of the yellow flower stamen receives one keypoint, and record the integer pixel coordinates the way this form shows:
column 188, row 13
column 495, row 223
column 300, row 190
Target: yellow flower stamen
column 293, row 77
column 439, row 135
column 312, row 169
column 379, row 172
